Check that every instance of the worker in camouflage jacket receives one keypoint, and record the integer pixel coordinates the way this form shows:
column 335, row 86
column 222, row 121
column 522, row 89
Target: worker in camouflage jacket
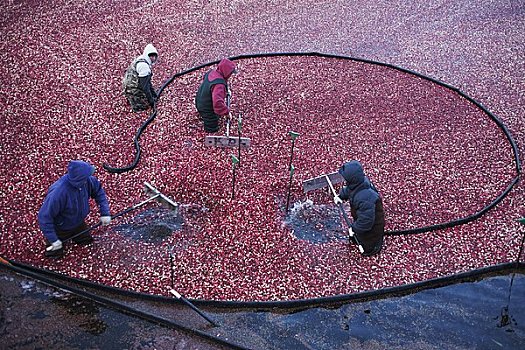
column 366, row 206
column 66, row 206
column 212, row 94
column 137, row 85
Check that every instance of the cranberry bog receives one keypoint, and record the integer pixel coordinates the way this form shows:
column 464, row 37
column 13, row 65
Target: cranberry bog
column 435, row 155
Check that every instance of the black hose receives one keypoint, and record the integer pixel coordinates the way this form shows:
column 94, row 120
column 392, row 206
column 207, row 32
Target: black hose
column 136, row 144
column 498, row 122
column 396, row 291
column 429, row 228
column 141, row 129
column 51, row 279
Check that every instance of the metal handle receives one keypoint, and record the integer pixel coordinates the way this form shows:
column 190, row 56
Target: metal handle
column 345, row 216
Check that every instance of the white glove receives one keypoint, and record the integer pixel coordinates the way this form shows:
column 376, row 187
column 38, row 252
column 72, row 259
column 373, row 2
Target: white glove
column 105, row 220
column 337, row 200
column 56, row 245
column 351, row 232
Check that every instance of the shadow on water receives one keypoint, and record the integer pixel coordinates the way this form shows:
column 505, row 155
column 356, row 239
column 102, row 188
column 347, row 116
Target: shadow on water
column 88, row 311
column 85, row 311
column 506, row 319
column 152, row 225
column 315, row 223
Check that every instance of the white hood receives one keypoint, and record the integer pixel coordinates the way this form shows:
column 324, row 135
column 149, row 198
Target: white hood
column 148, row 50
column 144, row 68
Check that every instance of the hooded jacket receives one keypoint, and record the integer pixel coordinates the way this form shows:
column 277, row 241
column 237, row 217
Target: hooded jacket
column 365, row 203
column 67, row 202
column 144, row 73
column 144, row 67
column 213, row 90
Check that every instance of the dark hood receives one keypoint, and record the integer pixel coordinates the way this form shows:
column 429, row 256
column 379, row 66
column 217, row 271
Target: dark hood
column 226, row 68
column 353, row 173
column 78, row 172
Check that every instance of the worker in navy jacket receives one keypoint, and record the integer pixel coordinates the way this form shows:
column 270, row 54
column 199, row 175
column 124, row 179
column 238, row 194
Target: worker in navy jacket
column 366, row 207
column 66, row 206
column 210, row 100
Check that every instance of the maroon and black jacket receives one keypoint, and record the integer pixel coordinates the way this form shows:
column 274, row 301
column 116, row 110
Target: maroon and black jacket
column 211, row 96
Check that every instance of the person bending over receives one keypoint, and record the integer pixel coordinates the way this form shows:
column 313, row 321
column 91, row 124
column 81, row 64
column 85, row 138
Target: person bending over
column 66, row 207
column 212, row 94
column 366, row 207
column 137, row 85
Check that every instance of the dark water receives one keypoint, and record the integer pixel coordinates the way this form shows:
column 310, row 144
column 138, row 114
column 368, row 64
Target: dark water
column 36, row 316
column 316, row 223
column 472, row 315
column 461, row 316
column 152, row 225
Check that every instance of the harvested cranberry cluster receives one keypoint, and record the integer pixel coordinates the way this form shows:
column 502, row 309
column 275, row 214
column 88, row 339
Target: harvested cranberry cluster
column 433, row 155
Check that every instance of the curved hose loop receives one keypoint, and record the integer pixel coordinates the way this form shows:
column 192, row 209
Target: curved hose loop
column 498, row 122
column 152, row 116
column 457, row 222
column 136, row 144
column 429, row 228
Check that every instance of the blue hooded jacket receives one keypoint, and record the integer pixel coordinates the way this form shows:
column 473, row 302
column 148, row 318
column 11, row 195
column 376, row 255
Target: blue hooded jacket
column 362, row 196
column 67, row 202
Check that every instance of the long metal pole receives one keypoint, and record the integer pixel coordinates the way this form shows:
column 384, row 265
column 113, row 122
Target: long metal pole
column 235, row 161
column 291, row 168
column 239, row 124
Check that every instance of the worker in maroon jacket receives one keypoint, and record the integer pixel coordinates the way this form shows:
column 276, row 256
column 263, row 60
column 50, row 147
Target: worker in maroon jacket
column 211, row 96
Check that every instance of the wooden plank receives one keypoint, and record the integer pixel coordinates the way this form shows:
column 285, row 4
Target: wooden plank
column 320, row 181
column 226, row 142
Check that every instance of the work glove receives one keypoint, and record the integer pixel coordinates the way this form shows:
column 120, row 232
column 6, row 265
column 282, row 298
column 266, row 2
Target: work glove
column 55, row 250
column 338, row 200
column 105, row 220
column 351, row 232
column 56, row 245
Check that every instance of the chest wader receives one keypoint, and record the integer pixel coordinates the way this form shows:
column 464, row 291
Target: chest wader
column 131, row 89
column 204, row 103
column 372, row 240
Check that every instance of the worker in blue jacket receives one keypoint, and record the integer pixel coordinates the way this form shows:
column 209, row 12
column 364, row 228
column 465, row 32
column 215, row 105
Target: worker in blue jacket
column 366, row 207
column 66, row 206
